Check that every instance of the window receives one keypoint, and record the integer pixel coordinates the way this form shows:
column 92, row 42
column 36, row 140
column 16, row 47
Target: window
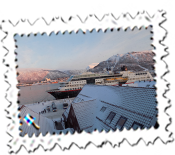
column 82, row 100
column 103, row 109
column 136, row 125
column 110, row 117
column 121, row 122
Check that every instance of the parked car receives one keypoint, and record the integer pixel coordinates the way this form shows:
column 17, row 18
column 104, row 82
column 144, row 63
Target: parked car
column 48, row 108
column 65, row 105
column 54, row 108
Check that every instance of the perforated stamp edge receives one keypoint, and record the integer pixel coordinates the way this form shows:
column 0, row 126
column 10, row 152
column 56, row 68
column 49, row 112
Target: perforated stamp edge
column 74, row 24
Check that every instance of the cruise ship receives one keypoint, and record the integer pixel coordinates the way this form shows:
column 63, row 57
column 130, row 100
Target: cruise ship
column 75, row 83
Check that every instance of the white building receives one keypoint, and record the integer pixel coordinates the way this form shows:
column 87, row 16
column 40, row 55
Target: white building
column 102, row 108
column 109, row 108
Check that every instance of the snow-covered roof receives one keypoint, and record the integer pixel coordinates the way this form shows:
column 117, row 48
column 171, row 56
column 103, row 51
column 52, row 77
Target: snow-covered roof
column 101, row 107
column 46, row 125
column 85, row 113
column 118, row 95
column 79, row 98
column 39, row 120
column 135, row 104
column 132, row 113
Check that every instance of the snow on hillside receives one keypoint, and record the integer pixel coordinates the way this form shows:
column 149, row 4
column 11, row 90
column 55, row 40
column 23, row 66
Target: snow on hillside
column 92, row 65
column 115, row 57
column 35, row 75
column 139, row 56
column 31, row 75
column 137, row 61
column 74, row 72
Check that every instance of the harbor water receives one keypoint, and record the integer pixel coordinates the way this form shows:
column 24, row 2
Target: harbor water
column 36, row 93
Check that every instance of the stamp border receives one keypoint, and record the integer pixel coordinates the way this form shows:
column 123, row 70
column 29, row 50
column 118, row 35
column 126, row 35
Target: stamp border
column 90, row 23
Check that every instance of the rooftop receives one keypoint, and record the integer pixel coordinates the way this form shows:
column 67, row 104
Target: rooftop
column 46, row 125
column 102, row 107
column 85, row 113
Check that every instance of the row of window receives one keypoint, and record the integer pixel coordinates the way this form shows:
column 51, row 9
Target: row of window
column 98, row 79
column 122, row 120
column 142, row 78
column 78, row 82
column 74, row 88
column 110, row 82
column 81, row 76
column 140, row 73
column 75, row 85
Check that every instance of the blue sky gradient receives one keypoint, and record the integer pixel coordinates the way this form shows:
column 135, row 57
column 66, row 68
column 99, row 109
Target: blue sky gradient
column 77, row 51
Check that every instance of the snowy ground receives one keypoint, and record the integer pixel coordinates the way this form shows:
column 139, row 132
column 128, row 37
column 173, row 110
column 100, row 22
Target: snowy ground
column 38, row 107
column 55, row 115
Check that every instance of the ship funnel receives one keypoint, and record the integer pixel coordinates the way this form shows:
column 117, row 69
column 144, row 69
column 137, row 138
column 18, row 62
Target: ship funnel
column 124, row 68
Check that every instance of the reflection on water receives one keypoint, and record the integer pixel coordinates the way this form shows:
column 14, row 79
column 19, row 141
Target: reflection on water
column 33, row 94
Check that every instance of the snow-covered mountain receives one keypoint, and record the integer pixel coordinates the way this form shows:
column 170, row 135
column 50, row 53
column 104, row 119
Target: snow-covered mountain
column 35, row 75
column 92, row 65
column 74, row 72
column 136, row 61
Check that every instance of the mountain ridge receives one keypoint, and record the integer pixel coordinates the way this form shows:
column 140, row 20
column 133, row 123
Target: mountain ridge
column 136, row 61
column 37, row 75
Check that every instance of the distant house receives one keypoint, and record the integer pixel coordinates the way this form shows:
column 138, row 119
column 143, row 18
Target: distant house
column 110, row 108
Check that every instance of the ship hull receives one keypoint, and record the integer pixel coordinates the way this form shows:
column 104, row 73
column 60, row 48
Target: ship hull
column 64, row 94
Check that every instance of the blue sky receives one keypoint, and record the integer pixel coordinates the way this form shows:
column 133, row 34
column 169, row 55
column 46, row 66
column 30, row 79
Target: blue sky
column 77, row 51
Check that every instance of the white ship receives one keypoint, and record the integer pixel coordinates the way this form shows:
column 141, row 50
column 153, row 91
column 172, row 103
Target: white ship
column 128, row 77
column 75, row 83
